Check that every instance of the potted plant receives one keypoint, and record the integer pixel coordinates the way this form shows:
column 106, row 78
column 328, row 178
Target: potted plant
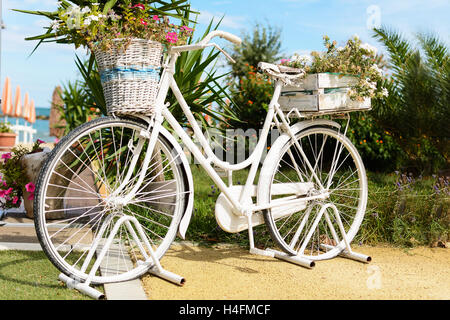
column 19, row 170
column 128, row 40
column 7, row 137
column 340, row 78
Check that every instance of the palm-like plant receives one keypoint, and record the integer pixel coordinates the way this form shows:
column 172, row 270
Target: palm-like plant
column 78, row 106
column 202, row 87
column 172, row 8
column 417, row 111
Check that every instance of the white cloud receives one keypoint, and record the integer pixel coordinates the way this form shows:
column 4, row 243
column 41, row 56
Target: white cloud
column 233, row 22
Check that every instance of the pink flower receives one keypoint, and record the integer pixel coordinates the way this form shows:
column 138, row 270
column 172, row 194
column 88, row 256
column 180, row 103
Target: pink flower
column 283, row 61
column 144, row 22
column 40, row 141
column 6, row 156
column 56, row 141
column 140, row 6
column 31, row 197
column 30, row 187
column 2, row 193
column 7, row 192
column 15, row 200
column 172, row 37
column 156, row 18
column 187, row 29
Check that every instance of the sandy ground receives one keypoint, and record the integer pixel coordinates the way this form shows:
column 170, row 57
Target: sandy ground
column 230, row 273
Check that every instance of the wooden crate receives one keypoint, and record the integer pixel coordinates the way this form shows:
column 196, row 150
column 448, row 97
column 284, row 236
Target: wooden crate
column 322, row 93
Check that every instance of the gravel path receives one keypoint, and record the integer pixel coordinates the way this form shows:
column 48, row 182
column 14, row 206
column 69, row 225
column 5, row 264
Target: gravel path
column 224, row 273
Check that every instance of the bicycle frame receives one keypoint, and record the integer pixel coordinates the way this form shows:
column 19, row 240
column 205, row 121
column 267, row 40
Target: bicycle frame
column 243, row 206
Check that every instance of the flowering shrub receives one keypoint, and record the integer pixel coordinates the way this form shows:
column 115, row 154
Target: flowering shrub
column 355, row 58
column 14, row 181
column 5, row 128
column 251, row 99
column 100, row 23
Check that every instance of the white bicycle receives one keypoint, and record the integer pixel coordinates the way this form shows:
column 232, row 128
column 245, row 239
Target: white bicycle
column 126, row 190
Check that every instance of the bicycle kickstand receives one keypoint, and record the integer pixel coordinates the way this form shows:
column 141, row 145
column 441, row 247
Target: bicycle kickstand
column 274, row 253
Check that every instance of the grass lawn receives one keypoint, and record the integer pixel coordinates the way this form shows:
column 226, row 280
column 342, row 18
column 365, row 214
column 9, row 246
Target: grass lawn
column 28, row 275
column 402, row 210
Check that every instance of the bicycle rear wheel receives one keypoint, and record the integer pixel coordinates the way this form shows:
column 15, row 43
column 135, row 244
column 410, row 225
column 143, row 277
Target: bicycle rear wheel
column 339, row 173
column 78, row 183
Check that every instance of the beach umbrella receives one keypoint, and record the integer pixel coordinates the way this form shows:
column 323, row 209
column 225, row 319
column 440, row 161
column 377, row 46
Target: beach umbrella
column 26, row 105
column 17, row 104
column 32, row 114
column 4, row 94
column 6, row 98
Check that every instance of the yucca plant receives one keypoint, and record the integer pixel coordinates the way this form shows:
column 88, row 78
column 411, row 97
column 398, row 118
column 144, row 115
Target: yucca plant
column 417, row 111
column 201, row 85
column 79, row 106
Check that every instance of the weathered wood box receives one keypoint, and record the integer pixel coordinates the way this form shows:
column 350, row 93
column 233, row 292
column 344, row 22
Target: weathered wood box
column 322, row 93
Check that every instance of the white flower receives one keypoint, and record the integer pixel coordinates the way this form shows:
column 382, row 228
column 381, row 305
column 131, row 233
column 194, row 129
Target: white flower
column 377, row 69
column 340, row 49
column 304, row 59
column 73, row 10
column 54, row 25
column 93, row 17
column 85, row 10
column 369, row 48
column 385, row 92
column 372, row 85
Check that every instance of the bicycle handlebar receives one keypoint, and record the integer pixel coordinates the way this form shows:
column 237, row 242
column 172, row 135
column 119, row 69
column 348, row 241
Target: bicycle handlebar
column 222, row 34
column 206, row 41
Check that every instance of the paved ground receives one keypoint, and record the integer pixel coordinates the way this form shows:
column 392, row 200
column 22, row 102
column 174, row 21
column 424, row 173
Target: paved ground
column 225, row 272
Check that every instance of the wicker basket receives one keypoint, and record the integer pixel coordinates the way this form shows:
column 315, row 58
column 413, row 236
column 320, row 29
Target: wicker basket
column 130, row 77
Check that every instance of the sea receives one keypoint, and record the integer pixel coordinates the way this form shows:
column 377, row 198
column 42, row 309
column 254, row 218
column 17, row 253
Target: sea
column 41, row 126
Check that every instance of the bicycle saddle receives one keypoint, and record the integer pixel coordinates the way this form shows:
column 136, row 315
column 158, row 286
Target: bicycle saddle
column 288, row 75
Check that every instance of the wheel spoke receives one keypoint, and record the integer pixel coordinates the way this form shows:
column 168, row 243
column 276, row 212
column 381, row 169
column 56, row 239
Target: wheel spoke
column 339, row 168
column 79, row 184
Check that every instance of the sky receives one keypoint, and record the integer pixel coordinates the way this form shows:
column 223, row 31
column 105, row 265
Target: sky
column 303, row 24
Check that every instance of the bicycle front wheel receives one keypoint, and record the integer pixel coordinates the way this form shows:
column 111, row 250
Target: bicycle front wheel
column 77, row 188
column 328, row 164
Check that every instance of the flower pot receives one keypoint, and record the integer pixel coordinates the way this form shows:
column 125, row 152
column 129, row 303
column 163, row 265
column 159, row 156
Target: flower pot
column 7, row 141
column 33, row 164
column 130, row 76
